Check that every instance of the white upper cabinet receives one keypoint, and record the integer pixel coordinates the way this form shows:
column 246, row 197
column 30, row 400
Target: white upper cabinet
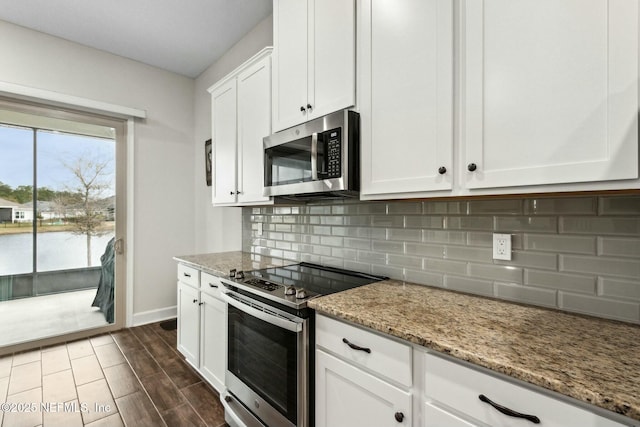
column 254, row 123
column 406, row 95
column 241, row 108
column 224, row 139
column 549, row 91
column 313, row 59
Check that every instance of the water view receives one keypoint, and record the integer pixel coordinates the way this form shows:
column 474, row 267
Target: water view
column 56, row 251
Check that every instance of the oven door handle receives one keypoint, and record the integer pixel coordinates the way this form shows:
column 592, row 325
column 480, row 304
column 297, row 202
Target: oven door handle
column 289, row 325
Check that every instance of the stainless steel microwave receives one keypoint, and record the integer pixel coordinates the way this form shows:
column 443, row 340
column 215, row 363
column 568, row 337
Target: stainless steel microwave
column 317, row 159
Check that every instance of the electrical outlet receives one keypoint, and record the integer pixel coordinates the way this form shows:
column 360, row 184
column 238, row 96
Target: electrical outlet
column 502, row 246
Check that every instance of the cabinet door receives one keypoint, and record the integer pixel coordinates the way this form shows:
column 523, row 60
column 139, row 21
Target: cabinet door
column 213, row 350
column 549, row 91
column 331, row 56
column 406, row 96
column 289, row 63
column 224, row 142
column 347, row 396
column 189, row 323
column 254, row 123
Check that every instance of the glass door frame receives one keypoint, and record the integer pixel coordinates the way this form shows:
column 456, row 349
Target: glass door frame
column 123, row 139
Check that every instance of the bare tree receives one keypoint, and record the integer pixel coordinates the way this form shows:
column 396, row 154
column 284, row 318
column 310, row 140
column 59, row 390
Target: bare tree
column 92, row 179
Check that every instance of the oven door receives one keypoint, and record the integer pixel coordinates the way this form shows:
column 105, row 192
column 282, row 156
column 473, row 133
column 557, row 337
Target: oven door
column 267, row 361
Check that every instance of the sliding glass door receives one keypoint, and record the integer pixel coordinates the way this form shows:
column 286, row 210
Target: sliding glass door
column 60, row 237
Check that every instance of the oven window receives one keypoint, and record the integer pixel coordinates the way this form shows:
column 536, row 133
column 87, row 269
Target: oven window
column 289, row 163
column 264, row 357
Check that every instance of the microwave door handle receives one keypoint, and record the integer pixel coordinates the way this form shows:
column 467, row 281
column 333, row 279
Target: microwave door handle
column 314, row 156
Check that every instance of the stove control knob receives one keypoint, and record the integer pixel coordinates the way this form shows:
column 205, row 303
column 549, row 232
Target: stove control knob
column 240, row 275
column 289, row 290
column 301, row 293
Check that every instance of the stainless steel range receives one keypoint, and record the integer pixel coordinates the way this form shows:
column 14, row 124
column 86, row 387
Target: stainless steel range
column 269, row 374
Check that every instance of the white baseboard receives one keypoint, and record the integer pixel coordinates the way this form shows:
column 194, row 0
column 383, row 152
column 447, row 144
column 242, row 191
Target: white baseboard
column 157, row 315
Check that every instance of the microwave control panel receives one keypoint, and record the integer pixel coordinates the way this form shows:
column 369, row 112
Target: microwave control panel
column 334, row 153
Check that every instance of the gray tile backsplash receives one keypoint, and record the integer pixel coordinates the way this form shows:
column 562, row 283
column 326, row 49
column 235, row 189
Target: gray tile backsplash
column 579, row 254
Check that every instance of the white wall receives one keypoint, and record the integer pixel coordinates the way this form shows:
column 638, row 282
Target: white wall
column 219, row 229
column 164, row 147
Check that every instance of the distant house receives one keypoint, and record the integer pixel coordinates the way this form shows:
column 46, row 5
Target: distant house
column 15, row 212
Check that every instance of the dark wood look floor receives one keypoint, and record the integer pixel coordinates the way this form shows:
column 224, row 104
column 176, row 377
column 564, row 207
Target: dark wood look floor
column 133, row 377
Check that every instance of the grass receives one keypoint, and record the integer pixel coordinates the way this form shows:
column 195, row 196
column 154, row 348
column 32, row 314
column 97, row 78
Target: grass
column 26, row 227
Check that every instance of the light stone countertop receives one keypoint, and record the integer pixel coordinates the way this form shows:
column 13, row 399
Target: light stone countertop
column 593, row 360
column 220, row 263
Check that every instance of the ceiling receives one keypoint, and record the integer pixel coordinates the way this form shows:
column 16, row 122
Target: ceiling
column 183, row 36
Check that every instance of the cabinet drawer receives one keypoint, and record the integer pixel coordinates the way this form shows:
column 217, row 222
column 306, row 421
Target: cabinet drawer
column 386, row 357
column 210, row 284
column 189, row 275
column 458, row 388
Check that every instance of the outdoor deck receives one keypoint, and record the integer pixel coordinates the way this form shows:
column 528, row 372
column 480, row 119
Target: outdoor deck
column 38, row 317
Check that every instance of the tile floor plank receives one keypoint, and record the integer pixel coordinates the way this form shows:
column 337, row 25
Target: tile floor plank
column 86, row 369
column 25, row 377
column 55, row 361
column 180, row 373
column 98, row 400
column 142, row 363
column 5, row 365
column 59, row 387
column 162, row 391
column 109, row 355
column 80, row 348
column 206, row 403
column 101, row 340
column 111, row 421
column 26, row 357
column 137, row 411
column 182, row 416
column 127, row 341
column 63, row 417
column 24, row 418
column 121, row 380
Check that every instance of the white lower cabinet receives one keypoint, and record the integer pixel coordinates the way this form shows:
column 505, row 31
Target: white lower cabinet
column 189, row 323
column 348, row 396
column 362, row 378
column 202, row 324
column 357, row 384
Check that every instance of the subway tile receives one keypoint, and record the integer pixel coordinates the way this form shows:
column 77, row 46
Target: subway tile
column 600, row 265
column 424, row 221
column 372, row 257
column 600, row 225
column 312, row 240
column 560, row 243
column 598, row 306
column 531, row 259
column 283, row 245
column 612, row 246
column 344, row 209
column 420, row 249
column 291, row 237
column 322, row 250
column 481, row 238
column 332, row 261
column 442, row 236
column 310, row 258
column 319, row 210
column 495, row 207
column 452, row 208
column 445, row 266
column 468, row 223
column 408, row 207
column 618, row 288
column 537, row 296
column 331, row 220
column 343, row 253
column 295, row 256
column 561, row 206
column 331, row 241
column 470, row 285
column 526, row 223
column 424, row 277
column 321, row 230
column 466, row 253
column 274, row 236
column 405, row 261
column 505, row 273
column 283, row 228
column 560, row 281
column 619, row 205
column 290, row 219
column 357, row 266
column 406, row 235
column 378, row 246
column 387, row 271
column 372, row 208
column 387, row 221
column 282, row 210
